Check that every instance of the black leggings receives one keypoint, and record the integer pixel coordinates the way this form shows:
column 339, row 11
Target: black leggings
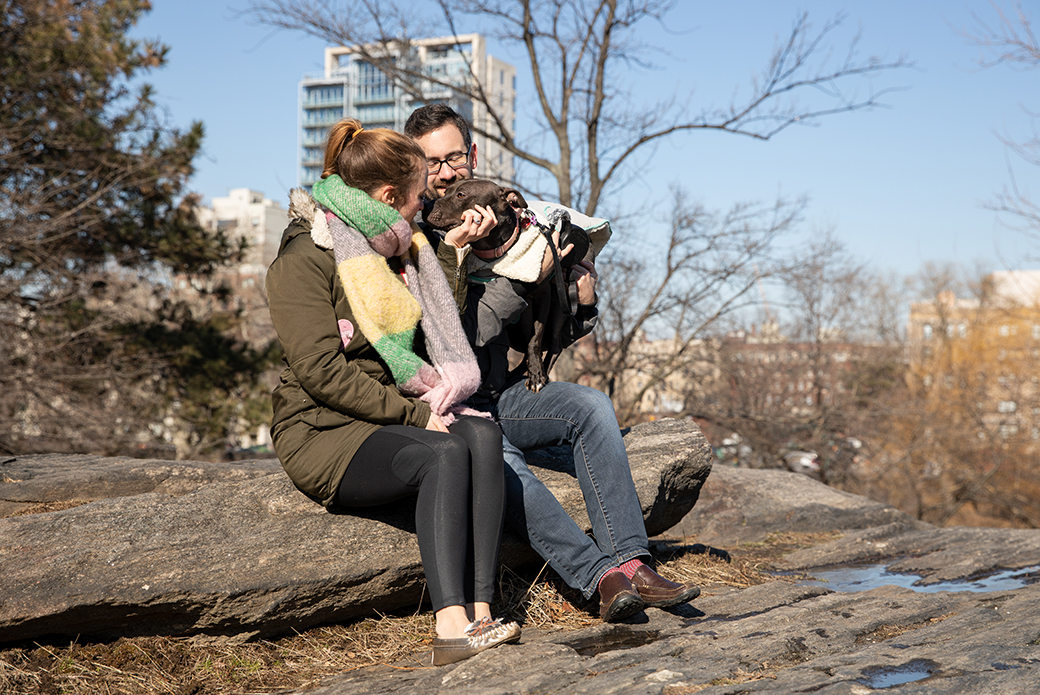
column 460, row 481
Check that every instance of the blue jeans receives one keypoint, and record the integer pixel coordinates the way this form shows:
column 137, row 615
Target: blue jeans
column 565, row 413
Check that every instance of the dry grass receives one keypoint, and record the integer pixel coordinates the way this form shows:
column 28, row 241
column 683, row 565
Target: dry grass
column 738, row 677
column 42, row 507
column 184, row 666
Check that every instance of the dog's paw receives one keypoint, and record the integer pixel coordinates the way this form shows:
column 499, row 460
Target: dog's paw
column 536, row 384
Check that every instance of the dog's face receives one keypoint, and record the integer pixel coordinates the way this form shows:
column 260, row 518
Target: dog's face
column 463, row 195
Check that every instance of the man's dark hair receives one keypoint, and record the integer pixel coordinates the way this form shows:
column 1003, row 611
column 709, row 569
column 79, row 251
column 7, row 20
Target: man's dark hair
column 429, row 118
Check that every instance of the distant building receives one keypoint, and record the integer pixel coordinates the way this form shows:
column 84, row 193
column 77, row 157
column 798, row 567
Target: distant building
column 261, row 221
column 982, row 353
column 784, row 378
column 247, row 213
column 351, row 87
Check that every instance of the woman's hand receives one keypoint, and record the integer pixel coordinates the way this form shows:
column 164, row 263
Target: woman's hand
column 476, row 223
column 435, row 424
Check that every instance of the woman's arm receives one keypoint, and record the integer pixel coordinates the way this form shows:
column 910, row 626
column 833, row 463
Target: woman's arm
column 312, row 332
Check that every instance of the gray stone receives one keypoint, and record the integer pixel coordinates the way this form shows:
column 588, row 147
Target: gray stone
column 741, row 505
column 29, row 481
column 783, row 636
column 791, row 638
column 252, row 556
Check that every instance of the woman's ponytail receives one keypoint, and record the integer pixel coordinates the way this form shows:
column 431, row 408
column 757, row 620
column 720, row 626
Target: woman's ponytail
column 340, row 135
column 368, row 159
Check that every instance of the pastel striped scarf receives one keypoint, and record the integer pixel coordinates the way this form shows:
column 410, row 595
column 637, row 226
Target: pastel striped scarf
column 364, row 233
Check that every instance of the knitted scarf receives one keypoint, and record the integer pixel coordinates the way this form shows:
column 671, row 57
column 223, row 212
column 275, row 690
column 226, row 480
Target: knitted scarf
column 364, row 233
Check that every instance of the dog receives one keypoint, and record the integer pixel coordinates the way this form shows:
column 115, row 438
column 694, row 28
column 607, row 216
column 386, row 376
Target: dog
column 549, row 303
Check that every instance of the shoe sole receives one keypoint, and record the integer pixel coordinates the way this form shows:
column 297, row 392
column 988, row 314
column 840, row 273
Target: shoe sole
column 688, row 595
column 624, row 607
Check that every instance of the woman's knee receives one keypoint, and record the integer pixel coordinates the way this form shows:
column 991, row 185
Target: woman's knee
column 477, row 430
column 452, row 458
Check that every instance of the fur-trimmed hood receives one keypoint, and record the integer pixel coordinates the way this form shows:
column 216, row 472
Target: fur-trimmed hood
column 304, row 211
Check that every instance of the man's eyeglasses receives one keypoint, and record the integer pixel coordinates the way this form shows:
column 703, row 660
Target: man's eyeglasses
column 456, row 160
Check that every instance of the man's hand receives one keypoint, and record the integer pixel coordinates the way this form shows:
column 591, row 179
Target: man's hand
column 547, row 259
column 476, row 224
column 584, row 275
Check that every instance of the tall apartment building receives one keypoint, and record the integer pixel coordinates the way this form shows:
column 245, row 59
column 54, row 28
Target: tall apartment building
column 351, row 87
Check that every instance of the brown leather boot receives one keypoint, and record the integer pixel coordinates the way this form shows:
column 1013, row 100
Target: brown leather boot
column 658, row 592
column 618, row 599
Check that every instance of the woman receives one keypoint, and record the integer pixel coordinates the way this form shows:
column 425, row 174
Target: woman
column 367, row 410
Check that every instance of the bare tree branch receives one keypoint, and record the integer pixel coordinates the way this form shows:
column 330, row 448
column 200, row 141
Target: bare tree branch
column 574, row 51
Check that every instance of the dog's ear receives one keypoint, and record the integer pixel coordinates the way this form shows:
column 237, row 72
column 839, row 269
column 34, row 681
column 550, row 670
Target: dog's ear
column 514, row 198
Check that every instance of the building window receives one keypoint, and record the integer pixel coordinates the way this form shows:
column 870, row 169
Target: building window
column 373, row 84
column 1007, row 407
column 926, row 331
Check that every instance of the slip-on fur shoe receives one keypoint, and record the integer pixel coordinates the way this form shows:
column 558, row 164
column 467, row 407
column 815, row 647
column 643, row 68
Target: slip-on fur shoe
column 618, row 599
column 480, row 635
column 658, row 592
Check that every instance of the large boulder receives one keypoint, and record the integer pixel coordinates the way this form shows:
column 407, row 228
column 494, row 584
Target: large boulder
column 244, row 553
column 741, row 505
column 31, row 482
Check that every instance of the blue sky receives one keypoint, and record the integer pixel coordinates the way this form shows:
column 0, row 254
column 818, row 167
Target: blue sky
column 900, row 186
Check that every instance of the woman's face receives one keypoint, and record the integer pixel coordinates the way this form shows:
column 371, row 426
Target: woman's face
column 410, row 203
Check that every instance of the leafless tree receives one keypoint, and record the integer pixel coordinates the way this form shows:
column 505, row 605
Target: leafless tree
column 960, row 438
column 575, row 51
column 815, row 376
column 1008, row 39
column 656, row 309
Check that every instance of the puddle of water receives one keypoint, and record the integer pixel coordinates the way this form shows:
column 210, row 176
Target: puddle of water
column 880, row 677
column 612, row 642
column 863, row 577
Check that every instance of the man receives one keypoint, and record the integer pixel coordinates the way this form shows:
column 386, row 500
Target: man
column 561, row 413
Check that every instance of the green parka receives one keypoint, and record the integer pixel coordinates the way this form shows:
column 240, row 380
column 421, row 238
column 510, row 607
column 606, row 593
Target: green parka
column 344, row 393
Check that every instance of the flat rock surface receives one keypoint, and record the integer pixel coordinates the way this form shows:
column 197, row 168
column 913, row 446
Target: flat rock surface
column 241, row 552
column 776, row 638
column 29, row 481
column 789, row 635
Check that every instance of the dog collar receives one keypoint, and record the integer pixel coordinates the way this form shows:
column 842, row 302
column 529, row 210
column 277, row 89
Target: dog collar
column 492, row 254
